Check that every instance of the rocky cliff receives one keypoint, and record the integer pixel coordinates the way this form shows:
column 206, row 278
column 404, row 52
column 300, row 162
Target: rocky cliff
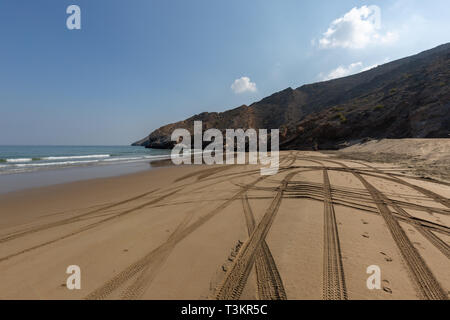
column 406, row 98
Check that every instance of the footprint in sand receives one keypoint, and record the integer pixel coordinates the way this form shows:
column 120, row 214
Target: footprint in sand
column 386, row 257
column 365, row 235
column 364, row 222
column 387, row 289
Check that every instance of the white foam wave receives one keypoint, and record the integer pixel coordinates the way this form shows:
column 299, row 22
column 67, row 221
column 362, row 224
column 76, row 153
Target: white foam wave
column 137, row 158
column 49, row 164
column 92, row 156
column 27, row 164
column 122, row 159
column 19, row 160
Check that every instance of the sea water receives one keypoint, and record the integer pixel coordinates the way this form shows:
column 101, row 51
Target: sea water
column 19, row 159
column 23, row 167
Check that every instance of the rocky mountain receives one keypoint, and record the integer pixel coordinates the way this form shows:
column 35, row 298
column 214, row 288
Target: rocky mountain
column 406, row 98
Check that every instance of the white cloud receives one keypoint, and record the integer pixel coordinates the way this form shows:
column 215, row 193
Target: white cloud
column 243, row 85
column 343, row 71
column 369, row 67
column 357, row 29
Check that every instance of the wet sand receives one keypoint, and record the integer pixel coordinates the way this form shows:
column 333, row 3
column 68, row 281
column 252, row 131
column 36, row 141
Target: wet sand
column 226, row 232
column 11, row 182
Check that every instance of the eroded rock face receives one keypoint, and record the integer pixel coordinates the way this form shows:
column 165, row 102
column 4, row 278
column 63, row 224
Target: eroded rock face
column 407, row 98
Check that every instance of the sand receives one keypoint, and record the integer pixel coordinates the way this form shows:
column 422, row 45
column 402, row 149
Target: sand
column 428, row 158
column 225, row 232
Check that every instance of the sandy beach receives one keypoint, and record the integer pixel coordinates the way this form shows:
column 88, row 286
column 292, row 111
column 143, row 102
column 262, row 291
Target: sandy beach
column 226, row 232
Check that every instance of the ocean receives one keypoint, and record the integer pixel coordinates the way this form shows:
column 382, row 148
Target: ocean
column 24, row 167
column 20, row 159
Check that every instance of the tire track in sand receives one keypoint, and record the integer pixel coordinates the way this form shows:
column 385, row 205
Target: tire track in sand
column 138, row 287
column 333, row 271
column 83, row 216
column 76, row 218
column 160, row 253
column 270, row 285
column 236, row 278
column 394, row 178
column 436, row 197
column 89, row 226
column 427, row 285
column 430, row 236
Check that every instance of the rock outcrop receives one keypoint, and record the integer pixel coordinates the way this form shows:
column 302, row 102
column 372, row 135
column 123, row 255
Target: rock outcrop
column 406, row 98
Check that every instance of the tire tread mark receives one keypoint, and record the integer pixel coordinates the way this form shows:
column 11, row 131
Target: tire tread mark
column 442, row 200
column 113, row 284
column 237, row 276
column 88, row 227
column 77, row 218
column 138, row 287
column 270, row 285
column 334, row 287
column 428, row 287
column 430, row 236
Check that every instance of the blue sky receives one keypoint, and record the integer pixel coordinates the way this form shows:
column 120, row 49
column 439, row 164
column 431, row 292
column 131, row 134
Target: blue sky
column 137, row 65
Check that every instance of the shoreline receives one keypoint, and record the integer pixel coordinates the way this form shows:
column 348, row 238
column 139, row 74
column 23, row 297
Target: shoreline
column 13, row 182
column 95, row 191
